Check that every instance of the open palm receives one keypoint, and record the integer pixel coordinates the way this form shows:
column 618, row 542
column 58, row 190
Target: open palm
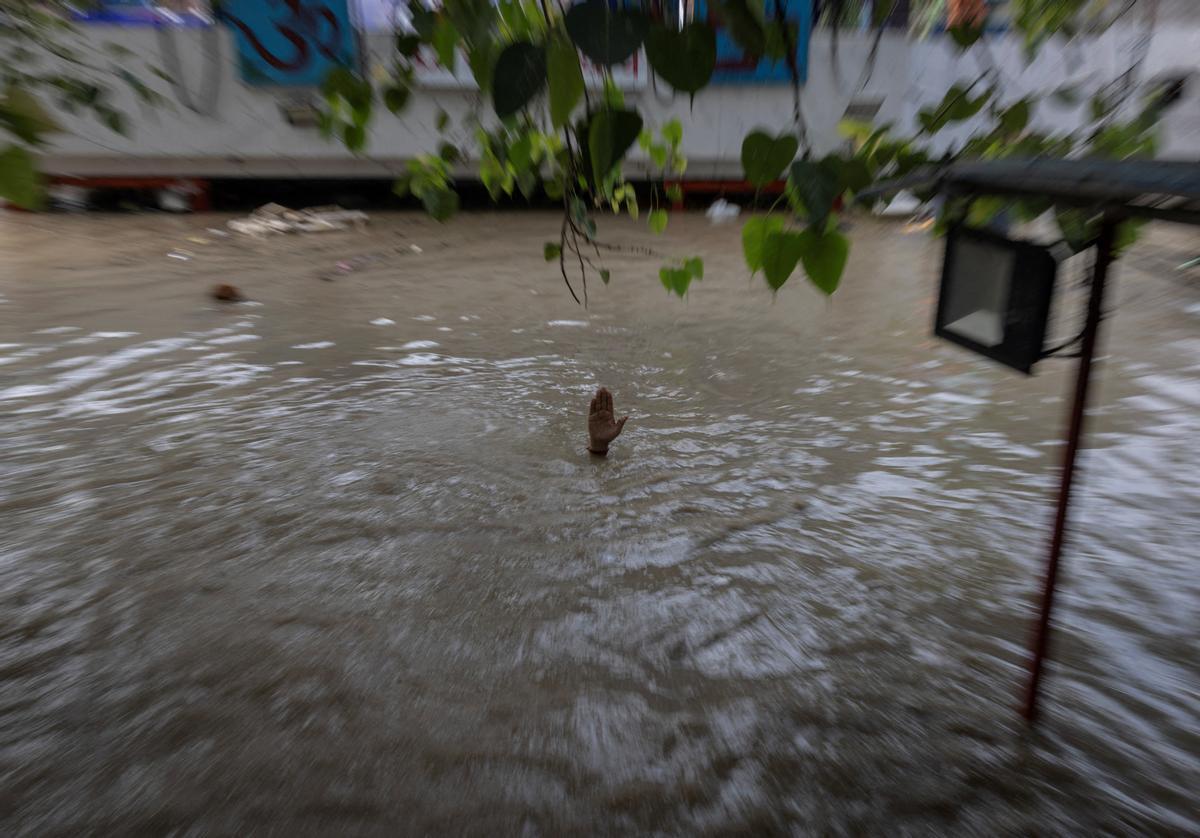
column 602, row 427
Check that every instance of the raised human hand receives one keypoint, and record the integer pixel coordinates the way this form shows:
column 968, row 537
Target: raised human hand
column 602, row 428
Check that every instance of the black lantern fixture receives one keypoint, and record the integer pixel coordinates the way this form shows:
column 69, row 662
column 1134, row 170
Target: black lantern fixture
column 995, row 296
column 995, row 293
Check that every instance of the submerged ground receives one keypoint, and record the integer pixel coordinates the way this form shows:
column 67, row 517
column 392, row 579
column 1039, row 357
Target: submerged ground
column 335, row 561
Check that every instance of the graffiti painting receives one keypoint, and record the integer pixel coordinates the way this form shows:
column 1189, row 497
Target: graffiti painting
column 290, row 42
column 735, row 67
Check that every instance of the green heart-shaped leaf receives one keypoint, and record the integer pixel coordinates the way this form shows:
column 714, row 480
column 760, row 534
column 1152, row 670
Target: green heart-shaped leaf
column 610, row 134
column 566, row 79
column 675, row 279
column 424, row 20
column 781, row 251
column 354, row 136
column 1015, row 117
column 754, row 236
column 445, row 43
column 440, row 203
column 520, row 73
column 396, row 97
column 824, row 257
column 684, row 59
column 815, row 186
column 853, row 173
column 481, row 59
column 765, row 157
column 476, row 20
column 965, row 34
column 744, row 21
column 607, row 36
column 408, row 44
column 23, row 115
column 658, row 220
column 19, row 181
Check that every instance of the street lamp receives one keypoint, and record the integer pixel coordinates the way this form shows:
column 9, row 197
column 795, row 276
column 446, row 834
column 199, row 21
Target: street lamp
column 995, row 296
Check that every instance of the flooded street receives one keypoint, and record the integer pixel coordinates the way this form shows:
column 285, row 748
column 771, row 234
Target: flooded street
column 335, row 561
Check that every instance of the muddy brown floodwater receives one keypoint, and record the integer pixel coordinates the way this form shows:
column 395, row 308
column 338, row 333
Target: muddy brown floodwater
column 334, row 561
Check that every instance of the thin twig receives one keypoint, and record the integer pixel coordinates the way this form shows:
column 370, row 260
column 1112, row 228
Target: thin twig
column 582, row 269
column 794, row 70
column 562, row 256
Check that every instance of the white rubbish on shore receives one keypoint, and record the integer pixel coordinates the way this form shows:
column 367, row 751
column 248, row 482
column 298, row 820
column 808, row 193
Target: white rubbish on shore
column 273, row 218
column 903, row 205
column 722, row 211
column 68, row 197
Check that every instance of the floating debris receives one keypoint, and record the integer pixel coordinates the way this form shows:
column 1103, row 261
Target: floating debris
column 275, row 218
column 722, row 211
column 227, row 294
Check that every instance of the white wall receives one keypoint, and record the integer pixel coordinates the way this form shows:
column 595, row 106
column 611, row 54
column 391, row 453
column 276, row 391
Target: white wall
column 246, row 135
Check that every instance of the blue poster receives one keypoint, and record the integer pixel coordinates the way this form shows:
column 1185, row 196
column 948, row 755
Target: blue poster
column 735, row 67
column 290, row 42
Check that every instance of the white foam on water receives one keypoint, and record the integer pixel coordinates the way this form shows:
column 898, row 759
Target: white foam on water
column 956, row 398
column 57, row 330
column 567, row 323
column 66, row 363
column 420, row 344
column 233, row 339
column 348, row 477
column 425, row 317
column 421, row 359
column 383, row 321
column 320, row 344
column 98, row 369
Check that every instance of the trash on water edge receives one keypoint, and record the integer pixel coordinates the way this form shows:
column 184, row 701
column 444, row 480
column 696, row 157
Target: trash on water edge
column 275, row 218
column 722, row 211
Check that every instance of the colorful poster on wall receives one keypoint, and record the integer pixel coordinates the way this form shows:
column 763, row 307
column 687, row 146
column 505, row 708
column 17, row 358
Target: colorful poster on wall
column 291, row 42
column 735, row 67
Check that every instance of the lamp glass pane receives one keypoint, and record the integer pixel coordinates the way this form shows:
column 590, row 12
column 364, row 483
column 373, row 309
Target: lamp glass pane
column 978, row 291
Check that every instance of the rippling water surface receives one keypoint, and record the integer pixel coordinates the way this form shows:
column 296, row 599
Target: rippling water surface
column 335, row 561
